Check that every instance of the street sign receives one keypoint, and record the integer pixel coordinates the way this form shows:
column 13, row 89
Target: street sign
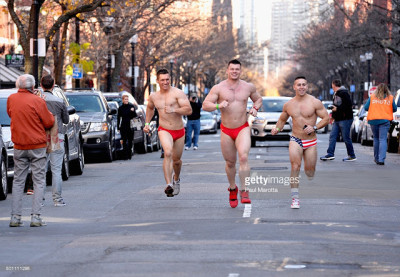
column 77, row 72
column 371, row 91
column 331, row 91
column 15, row 60
column 352, row 88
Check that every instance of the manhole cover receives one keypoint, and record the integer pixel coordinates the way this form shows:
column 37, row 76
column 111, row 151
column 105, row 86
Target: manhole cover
column 268, row 168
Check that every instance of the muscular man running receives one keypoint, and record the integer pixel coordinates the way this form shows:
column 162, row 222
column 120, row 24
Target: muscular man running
column 304, row 110
column 171, row 104
column 230, row 97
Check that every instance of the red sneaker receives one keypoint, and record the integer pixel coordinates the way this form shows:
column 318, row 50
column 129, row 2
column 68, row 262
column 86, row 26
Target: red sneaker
column 233, row 201
column 244, row 197
column 30, row 192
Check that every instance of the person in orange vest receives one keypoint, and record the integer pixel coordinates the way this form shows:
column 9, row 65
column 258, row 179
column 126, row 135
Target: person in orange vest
column 380, row 107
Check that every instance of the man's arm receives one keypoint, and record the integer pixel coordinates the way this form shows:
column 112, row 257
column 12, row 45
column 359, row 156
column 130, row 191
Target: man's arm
column 323, row 114
column 257, row 101
column 209, row 103
column 149, row 114
column 281, row 122
column 184, row 105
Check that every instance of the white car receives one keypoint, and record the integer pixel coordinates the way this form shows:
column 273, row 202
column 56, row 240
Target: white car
column 394, row 131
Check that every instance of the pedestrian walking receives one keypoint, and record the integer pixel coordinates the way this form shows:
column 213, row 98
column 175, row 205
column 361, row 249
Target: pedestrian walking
column 126, row 112
column 380, row 107
column 193, row 124
column 304, row 110
column 56, row 158
column 171, row 104
column 342, row 113
column 230, row 97
column 29, row 120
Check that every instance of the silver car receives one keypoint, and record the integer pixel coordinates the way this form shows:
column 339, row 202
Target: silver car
column 266, row 119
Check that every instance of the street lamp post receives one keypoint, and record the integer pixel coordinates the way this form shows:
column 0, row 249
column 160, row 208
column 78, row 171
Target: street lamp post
column 133, row 40
column 77, row 40
column 389, row 54
column 368, row 57
column 35, row 27
column 108, row 26
column 171, row 67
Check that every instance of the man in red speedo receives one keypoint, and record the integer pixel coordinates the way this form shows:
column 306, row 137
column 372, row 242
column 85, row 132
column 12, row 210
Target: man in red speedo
column 230, row 97
column 171, row 104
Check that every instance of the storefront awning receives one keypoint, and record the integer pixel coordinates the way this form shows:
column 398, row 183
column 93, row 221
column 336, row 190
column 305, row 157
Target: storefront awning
column 8, row 75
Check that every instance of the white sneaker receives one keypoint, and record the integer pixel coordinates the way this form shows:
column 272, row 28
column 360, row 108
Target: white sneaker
column 176, row 185
column 36, row 221
column 195, row 148
column 295, row 203
column 186, row 148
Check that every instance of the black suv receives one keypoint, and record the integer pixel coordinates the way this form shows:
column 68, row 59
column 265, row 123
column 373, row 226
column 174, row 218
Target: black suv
column 96, row 122
column 140, row 138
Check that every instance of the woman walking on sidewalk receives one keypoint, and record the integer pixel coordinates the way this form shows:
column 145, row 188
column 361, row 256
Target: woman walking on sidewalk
column 380, row 107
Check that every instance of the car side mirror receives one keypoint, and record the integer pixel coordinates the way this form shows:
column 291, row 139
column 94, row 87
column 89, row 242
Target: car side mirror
column 71, row 109
column 112, row 111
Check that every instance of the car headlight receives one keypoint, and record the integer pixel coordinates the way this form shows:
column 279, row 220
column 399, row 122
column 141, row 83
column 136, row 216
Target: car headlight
column 98, row 126
column 10, row 144
column 258, row 121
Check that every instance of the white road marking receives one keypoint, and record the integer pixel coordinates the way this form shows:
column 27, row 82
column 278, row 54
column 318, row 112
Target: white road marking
column 247, row 210
column 233, row 275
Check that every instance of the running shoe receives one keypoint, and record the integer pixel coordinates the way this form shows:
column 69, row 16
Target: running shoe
column 30, row 192
column 350, row 159
column 233, row 201
column 36, row 221
column 244, row 197
column 16, row 221
column 59, row 203
column 176, row 185
column 327, row 158
column 295, row 203
column 195, row 148
column 169, row 191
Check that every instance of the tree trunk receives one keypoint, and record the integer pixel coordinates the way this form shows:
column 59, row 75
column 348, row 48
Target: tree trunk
column 60, row 49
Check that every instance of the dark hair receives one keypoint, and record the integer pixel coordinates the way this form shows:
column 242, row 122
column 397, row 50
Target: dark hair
column 47, row 82
column 337, row 83
column 234, row 62
column 162, row 71
column 300, row 77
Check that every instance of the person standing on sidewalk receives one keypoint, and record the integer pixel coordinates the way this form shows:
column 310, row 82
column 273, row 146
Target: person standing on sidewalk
column 342, row 113
column 193, row 124
column 230, row 97
column 29, row 120
column 380, row 107
column 171, row 104
column 304, row 110
column 125, row 114
column 58, row 108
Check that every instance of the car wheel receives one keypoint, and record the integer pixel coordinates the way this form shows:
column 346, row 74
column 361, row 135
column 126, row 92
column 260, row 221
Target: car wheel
column 149, row 145
column 393, row 145
column 65, row 166
column 353, row 135
column 109, row 154
column 156, row 145
column 77, row 165
column 253, row 142
column 142, row 146
column 4, row 185
column 363, row 139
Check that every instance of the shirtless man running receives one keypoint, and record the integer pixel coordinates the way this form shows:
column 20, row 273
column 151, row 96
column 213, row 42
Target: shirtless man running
column 171, row 104
column 304, row 110
column 230, row 97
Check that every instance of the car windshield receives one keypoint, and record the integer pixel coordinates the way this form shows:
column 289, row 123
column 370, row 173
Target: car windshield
column 206, row 116
column 86, row 103
column 273, row 106
column 4, row 118
column 326, row 105
column 114, row 98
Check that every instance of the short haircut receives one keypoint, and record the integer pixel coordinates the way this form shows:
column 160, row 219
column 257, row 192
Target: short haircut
column 300, row 77
column 162, row 71
column 337, row 83
column 124, row 95
column 234, row 61
column 47, row 82
column 25, row 81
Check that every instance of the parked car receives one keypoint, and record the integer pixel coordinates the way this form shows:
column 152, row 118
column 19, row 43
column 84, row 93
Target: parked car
column 3, row 168
column 208, row 123
column 394, row 131
column 117, row 135
column 137, row 124
column 96, row 122
column 266, row 119
column 365, row 136
column 355, row 126
column 153, row 141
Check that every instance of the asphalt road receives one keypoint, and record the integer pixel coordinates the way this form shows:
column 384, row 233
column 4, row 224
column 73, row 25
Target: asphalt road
column 118, row 221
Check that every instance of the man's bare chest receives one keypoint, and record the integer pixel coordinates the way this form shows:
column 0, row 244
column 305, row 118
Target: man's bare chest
column 302, row 110
column 234, row 96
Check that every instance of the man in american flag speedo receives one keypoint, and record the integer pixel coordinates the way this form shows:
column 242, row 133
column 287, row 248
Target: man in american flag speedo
column 304, row 110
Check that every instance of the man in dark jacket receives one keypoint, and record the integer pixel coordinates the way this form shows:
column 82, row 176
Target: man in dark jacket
column 29, row 120
column 193, row 124
column 125, row 113
column 342, row 113
column 58, row 108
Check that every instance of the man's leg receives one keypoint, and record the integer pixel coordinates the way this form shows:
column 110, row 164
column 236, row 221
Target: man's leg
column 38, row 166
column 332, row 139
column 167, row 144
column 56, row 161
column 310, row 161
column 196, row 129
column 228, row 150
column 345, row 126
column 21, row 166
column 243, row 144
column 295, row 155
column 189, row 129
column 177, row 150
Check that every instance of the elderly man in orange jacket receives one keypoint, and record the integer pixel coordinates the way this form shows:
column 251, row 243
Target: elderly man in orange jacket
column 29, row 120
